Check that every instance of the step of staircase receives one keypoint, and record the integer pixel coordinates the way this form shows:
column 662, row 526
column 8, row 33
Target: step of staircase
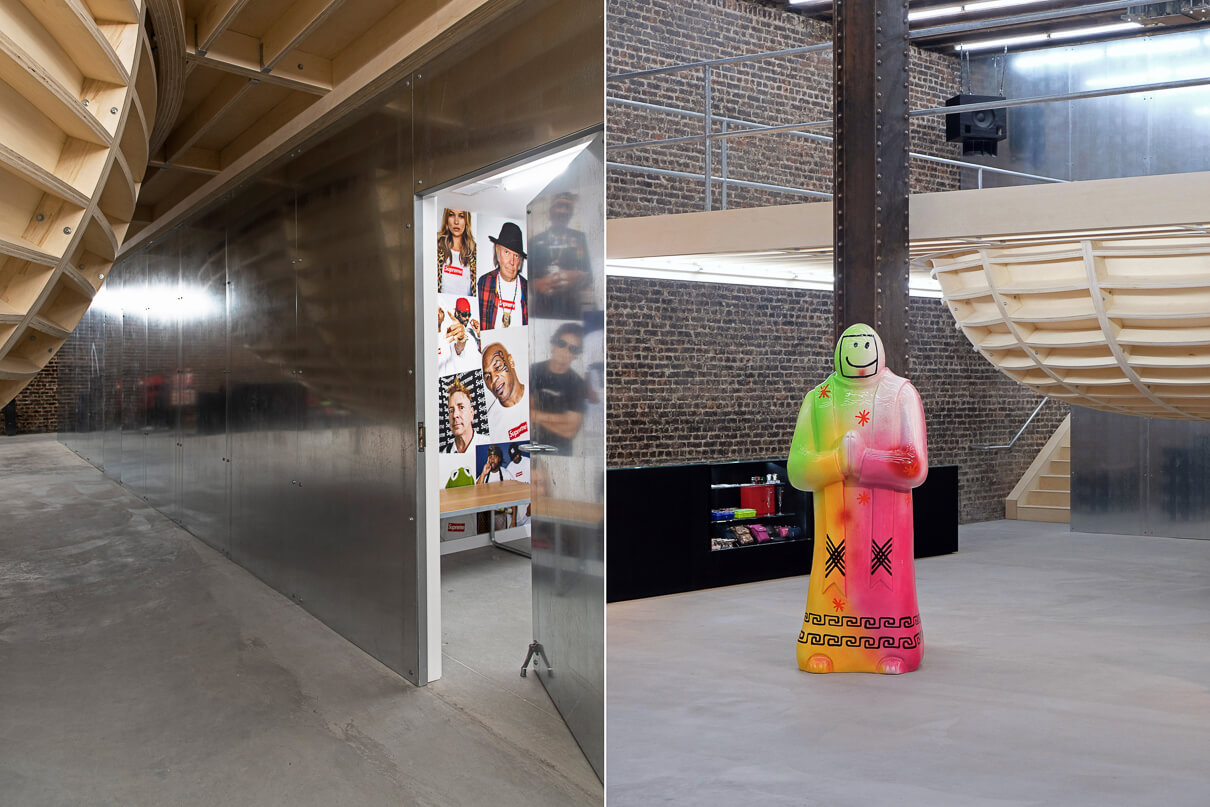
column 1054, row 482
column 1046, row 498
column 1038, row 512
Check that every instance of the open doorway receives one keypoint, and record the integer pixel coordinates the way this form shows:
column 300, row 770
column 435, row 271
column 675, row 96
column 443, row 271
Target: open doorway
column 476, row 349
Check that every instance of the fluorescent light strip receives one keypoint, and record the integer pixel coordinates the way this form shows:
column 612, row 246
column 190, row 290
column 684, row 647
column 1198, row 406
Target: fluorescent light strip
column 1066, row 33
column 954, row 11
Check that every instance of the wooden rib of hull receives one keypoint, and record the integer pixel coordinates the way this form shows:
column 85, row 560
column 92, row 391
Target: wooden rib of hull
column 77, row 92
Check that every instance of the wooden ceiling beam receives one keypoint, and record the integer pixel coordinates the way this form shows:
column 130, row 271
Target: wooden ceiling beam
column 237, row 53
column 229, row 90
column 195, row 160
column 292, row 27
column 292, row 106
column 214, row 21
column 433, row 26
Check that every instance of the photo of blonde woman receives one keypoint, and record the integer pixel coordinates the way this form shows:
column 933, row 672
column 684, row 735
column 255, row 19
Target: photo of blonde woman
column 457, row 258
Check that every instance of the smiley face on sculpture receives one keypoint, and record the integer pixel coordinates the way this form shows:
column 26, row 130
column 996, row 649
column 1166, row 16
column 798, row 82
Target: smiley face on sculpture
column 859, row 353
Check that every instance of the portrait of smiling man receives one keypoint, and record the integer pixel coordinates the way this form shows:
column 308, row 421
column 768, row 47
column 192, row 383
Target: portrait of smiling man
column 508, row 406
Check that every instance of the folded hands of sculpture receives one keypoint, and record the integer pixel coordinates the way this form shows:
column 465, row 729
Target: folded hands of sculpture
column 859, row 446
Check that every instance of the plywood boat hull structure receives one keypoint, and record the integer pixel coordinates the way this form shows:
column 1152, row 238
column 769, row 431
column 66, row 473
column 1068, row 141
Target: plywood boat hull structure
column 1096, row 293
column 77, row 103
column 1120, row 323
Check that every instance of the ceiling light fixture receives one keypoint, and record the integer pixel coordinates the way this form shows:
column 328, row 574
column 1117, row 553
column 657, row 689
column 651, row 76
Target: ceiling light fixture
column 1066, row 33
column 967, row 8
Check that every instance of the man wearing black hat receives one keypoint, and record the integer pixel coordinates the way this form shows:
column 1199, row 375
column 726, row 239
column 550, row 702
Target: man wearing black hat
column 503, row 298
column 559, row 269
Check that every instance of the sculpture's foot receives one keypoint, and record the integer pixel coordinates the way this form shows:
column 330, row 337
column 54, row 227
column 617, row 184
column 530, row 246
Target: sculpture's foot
column 891, row 665
column 819, row 663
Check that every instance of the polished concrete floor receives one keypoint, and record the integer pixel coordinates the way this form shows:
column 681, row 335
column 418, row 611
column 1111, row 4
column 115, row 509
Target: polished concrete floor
column 139, row 667
column 1059, row 669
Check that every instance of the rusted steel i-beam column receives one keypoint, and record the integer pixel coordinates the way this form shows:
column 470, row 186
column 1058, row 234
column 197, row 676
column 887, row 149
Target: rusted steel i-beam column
column 870, row 54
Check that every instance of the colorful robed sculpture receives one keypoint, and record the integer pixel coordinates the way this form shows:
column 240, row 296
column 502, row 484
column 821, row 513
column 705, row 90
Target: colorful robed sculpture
column 859, row 447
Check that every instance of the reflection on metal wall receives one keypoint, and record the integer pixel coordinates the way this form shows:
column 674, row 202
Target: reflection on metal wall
column 1151, row 477
column 568, row 470
column 510, row 89
column 259, row 359
column 250, row 373
column 1114, row 136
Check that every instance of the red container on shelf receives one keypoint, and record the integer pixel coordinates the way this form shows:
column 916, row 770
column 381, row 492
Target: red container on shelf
column 758, row 497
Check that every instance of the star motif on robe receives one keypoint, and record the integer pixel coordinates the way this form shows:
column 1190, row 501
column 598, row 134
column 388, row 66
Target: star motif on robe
column 863, row 498
column 863, row 417
column 824, row 392
column 838, row 604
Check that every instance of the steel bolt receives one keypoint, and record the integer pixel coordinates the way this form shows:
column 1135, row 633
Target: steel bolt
column 67, row 231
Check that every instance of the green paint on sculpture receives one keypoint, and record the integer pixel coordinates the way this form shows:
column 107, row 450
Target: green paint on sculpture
column 859, row 445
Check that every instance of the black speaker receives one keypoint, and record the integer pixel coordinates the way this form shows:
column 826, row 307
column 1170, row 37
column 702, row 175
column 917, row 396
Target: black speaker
column 979, row 131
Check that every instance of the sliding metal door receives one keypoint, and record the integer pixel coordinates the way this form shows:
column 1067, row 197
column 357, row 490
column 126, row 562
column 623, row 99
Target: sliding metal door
column 567, row 412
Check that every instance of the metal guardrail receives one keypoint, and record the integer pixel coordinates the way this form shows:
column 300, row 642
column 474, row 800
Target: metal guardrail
column 1020, row 431
column 749, row 128
column 758, row 128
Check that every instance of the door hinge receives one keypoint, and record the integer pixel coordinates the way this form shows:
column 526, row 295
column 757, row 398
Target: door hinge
column 420, row 436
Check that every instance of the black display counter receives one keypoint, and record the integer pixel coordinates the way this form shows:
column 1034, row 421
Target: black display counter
column 661, row 534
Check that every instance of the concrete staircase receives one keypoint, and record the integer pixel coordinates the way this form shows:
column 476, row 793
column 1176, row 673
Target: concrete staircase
column 1044, row 492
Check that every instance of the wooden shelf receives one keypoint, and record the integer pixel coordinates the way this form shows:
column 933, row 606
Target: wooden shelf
column 473, row 498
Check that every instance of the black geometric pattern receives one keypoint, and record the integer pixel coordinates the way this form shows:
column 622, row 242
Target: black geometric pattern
column 882, row 557
column 866, row 642
column 835, row 558
column 863, row 622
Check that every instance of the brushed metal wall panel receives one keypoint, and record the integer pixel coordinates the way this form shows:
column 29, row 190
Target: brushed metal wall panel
column 132, row 273
column 111, row 450
column 90, row 421
column 160, row 295
column 201, row 396
column 1151, row 477
column 532, row 79
column 352, row 545
column 265, row 395
column 1107, row 493
column 1178, row 479
column 1100, row 138
column 569, row 488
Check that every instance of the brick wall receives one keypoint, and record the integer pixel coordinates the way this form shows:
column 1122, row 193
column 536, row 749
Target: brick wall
column 38, row 403
column 655, row 33
column 708, row 372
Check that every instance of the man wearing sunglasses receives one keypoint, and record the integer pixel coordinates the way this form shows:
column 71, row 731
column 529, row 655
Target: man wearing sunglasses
column 559, row 394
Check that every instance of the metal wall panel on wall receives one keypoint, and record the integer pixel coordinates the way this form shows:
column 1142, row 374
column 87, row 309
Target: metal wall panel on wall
column 88, row 387
column 108, row 303
column 264, row 395
column 132, row 276
column 510, row 89
column 1151, row 477
column 1100, row 138
column 1178, row 479
column 201, row 394
column 1106, row 475
column 161, row 297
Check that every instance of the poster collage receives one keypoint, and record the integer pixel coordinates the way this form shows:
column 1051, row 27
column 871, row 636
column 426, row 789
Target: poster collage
column 482, row 355
column 491, row 399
